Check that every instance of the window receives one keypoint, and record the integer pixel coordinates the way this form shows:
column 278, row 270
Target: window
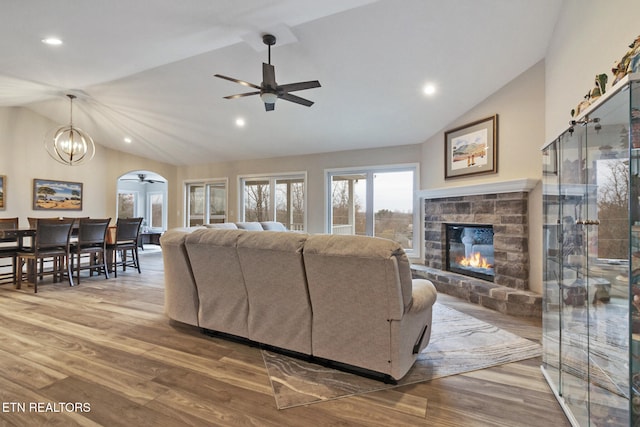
column 375, row 201
column 206, row 202
column 279, row 198
column 127, row 204
column 156, row 211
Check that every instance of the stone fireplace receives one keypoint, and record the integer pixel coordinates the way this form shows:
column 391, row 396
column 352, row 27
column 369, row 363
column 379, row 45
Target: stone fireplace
column 502, row 207
column 469, row 250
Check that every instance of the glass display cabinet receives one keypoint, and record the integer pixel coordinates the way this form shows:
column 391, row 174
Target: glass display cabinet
column 591, row 261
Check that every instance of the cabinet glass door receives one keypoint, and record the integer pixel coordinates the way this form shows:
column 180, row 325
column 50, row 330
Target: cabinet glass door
column 552, row 261
column 574, row 344
column 606, row 231
column 634, row 251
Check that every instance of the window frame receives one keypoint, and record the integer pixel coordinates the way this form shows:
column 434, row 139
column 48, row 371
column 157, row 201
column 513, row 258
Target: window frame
column 273, row 179
column 205, row 183
column 370, row 171
column 149, row 215
column 136, row 203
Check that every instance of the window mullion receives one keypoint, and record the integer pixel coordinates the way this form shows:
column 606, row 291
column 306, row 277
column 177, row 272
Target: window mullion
column 370, row 215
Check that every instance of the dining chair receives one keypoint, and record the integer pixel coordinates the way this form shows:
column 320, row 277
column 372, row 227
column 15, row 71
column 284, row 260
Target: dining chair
column 51, row 243
column 127, row 235
column 9, row 249
column 91, row 245
column 76, row 223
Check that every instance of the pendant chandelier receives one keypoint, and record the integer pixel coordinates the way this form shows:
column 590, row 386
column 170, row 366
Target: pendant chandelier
column 68, row 144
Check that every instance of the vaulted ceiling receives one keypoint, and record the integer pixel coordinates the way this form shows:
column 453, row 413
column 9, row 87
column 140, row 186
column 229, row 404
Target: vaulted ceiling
column 144, row 69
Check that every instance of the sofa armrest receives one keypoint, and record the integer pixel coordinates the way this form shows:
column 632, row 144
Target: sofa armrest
column 423, row 295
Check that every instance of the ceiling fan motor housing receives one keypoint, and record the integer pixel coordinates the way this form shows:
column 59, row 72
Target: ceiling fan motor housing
column 269, row 39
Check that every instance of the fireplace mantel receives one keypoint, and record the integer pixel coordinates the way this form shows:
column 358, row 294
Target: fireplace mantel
column 514, row 186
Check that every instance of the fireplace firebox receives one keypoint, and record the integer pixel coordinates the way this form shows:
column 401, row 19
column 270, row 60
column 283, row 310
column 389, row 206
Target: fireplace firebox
column 469, row 250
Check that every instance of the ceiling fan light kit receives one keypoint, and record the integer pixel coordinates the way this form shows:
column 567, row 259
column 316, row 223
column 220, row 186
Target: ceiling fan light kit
column 269, row 90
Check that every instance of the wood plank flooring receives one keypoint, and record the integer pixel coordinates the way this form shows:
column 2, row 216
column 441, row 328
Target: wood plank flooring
column 104, row 354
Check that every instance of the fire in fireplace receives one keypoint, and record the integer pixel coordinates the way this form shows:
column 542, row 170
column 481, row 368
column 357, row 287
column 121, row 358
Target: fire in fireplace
column 469, row 250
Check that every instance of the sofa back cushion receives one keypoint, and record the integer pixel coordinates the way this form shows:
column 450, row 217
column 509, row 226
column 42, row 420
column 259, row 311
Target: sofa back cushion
column 216, row 269
column 250, row 226
column 355, row 290
column 222, row 225
column 279, row 309
column 273, row 226
column 180, row 291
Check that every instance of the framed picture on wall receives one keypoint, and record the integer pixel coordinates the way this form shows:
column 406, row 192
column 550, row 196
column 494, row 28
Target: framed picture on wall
column 3, row 192
column 472, row 149
column 57, row 195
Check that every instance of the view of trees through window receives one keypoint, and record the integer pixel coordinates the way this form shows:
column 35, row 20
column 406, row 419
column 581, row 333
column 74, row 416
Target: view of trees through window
column 126, row 205
column 207, row 203
column 374, row 203
column 275, row 199
column 157, row 210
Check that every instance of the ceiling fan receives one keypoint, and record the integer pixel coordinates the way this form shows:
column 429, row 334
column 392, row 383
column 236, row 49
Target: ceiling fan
column 269, row 90
column 142, row 178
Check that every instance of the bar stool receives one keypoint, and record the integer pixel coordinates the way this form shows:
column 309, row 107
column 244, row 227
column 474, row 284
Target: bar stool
column 51, row 243
column 92, row 234
column 127, row 235
column 9, row 249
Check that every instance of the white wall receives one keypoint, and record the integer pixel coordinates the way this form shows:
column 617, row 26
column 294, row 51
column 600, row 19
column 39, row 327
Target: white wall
column 23, row 158
column 314, row 165
column 520, row 109
column 589, row 37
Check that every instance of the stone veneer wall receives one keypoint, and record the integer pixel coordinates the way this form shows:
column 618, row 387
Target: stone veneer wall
column 508, row 213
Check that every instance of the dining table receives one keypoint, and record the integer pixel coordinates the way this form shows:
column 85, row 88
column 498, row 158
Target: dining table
column 16, row 235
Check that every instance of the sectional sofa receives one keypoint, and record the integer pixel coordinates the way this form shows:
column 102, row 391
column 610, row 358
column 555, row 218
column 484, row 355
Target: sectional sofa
column 344, row 299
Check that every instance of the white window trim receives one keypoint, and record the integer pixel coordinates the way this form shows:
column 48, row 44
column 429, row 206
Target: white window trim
column 418, row 226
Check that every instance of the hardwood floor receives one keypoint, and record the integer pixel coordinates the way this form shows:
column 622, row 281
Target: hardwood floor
column 103, row 354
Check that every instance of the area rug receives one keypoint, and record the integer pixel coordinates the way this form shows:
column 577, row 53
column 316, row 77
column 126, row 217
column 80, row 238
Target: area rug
column 459, row 343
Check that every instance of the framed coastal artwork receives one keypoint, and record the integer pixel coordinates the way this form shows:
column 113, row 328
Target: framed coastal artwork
column 57, row 195
column 3, row 192
column 472, row 149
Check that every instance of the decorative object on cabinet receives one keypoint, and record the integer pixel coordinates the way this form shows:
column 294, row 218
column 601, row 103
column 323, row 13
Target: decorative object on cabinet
column 57, row 195
column 600, row 87
column 3, row 192
column 472, row 149
column 591, row 251
column 69, row 144
column 629, row 62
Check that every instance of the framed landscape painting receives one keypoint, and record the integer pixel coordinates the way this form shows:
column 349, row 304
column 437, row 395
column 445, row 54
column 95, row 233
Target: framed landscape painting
column 57, row 195
column 472, row 148
column 3, row 192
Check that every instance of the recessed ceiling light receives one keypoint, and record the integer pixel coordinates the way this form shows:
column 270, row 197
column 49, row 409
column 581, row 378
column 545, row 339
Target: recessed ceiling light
column 53, row 41
column 240, row 122
column 127, row 140
column 429, row 89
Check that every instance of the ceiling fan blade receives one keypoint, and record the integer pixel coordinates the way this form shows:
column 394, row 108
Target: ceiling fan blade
column 240, row 95
column 299, row 86
column 269, row 107
column 296, row 99
column 242, row 82
column 268, row 75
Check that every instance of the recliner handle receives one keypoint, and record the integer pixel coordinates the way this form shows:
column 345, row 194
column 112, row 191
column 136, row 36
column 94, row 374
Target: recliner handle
column 416, row 347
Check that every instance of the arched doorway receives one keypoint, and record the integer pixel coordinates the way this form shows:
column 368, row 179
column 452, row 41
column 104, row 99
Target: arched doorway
column 143, row 193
